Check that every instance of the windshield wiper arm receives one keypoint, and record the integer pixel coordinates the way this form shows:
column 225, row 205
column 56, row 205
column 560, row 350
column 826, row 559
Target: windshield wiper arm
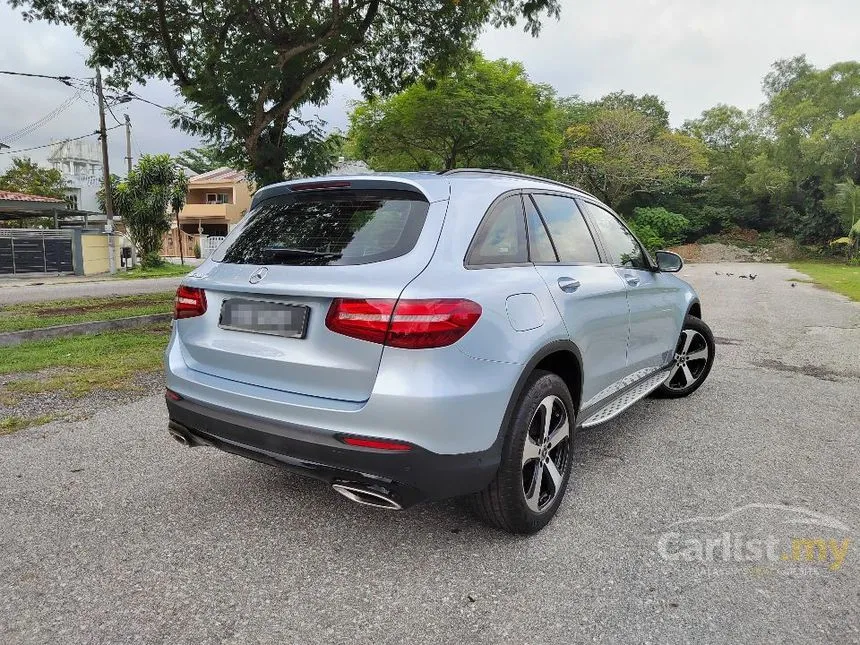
column 301, row 252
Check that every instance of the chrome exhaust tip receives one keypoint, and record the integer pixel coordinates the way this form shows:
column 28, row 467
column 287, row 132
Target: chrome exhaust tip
column 180, row 437
column 366, row 496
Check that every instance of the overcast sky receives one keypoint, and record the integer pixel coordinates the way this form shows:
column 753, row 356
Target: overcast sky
column 692, row 53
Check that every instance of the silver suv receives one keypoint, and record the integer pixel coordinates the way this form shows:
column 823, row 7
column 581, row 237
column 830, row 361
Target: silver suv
column 421, row 336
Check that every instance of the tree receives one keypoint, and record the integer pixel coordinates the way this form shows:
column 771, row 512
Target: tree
column 485, row 114
column 617, row 153
column 246, row 67
column 203, row 159
column 26, row 176
column 178, row 193
column 145, row 199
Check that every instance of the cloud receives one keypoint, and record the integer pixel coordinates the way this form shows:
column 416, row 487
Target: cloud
column 692, row 53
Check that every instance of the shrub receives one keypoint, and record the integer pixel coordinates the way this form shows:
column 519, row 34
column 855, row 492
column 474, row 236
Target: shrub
column 648, row 236
column 670, row 228
column 151, row 260
column 197, row 253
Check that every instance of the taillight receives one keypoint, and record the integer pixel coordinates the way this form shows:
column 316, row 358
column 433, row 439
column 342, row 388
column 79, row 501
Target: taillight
column 189, row 302
column 410, row 324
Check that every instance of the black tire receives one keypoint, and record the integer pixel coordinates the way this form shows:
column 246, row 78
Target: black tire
column 703, row 338
column 503, row 504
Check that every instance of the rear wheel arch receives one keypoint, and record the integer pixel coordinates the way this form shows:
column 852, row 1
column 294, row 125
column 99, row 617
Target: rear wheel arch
column 561, row 357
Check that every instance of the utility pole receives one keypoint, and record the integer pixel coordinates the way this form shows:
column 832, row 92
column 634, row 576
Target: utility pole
column 106, row 173
column 128, row 159
column 128, row 141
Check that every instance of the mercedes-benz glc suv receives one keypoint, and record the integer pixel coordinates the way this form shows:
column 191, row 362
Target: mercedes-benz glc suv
column 421, row 336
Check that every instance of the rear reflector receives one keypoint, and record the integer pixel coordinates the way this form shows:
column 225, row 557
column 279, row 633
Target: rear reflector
column 189, row 302
column 173, row 396
column 377, row 444
column 410, row 324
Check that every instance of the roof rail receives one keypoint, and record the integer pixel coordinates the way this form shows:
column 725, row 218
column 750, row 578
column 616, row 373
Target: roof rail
column 519, row 175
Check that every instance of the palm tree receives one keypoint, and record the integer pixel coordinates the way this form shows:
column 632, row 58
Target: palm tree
column 848, row 201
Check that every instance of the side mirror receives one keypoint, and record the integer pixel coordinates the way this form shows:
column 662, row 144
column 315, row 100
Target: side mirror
column 668, row 262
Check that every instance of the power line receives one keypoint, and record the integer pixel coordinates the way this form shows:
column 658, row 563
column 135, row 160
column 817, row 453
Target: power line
column 137, row 97
column 47, row 145
column 63, row 79
column 32, row 127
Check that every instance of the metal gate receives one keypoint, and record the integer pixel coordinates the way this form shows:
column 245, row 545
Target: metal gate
column 35, row 251
column 210, row 244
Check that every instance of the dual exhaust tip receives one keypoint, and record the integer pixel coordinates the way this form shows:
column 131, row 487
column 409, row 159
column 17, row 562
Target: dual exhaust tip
column 368, row 497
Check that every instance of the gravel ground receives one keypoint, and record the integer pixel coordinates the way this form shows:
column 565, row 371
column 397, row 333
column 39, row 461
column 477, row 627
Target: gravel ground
column 113, row 533
column 72, row 408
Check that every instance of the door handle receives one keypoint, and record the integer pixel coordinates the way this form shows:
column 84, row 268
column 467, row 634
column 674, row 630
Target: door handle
column 632, row 280
column 568, row 285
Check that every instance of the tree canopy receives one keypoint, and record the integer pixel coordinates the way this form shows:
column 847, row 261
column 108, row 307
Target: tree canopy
column 486, row 114
column 154, row 189
column 246, row 67
column 26, row 176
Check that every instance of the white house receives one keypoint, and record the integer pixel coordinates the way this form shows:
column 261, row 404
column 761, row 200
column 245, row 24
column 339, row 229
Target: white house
column 81, row 165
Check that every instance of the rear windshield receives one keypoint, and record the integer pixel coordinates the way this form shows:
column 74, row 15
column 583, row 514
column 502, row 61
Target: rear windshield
column 336, row 227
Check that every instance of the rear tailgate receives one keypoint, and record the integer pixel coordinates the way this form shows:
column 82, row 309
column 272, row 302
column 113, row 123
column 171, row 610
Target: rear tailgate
column 303, row 271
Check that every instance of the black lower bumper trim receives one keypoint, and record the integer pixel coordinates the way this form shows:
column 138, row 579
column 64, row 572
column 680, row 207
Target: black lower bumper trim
column 409, row 476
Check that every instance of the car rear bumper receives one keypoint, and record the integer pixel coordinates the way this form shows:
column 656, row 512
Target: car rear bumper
column 407, row 477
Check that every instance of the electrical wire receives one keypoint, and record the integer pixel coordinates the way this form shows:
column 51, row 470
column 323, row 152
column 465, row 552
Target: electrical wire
column 54, row 143
column 32, row 127
column 63, row 79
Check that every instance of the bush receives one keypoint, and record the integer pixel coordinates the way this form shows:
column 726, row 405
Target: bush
column 670, row 228
column 151, row 260
column 648, row 236
column 197, row 253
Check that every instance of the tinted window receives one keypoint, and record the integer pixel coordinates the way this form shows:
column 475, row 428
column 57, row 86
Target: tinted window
column 501, row 239
column 620, row 243
column 355, row 227
column 569, row 232
column 540, row 247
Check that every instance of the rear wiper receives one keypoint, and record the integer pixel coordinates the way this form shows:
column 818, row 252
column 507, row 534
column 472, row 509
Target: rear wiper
column 280, row 251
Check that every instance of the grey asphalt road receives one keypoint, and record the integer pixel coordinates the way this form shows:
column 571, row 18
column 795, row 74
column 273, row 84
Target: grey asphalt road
column 22, row 291
column 113, row 533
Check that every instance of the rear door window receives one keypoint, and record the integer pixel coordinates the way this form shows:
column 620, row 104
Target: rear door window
column 540, row 246
column 568, row 229
column 501, row 237
column 331, row 228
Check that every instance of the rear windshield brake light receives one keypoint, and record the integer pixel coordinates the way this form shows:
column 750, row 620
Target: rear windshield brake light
column 320, row 185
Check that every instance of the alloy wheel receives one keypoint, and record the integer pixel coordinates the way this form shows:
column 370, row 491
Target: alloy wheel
column 545, row 453
column 691, row 359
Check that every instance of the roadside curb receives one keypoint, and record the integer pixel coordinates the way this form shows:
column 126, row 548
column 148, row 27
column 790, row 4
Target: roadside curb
column 17, row 337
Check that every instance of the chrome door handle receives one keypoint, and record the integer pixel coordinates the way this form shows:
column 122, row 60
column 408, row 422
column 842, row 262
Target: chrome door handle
column 568, row 285
column 632, row 280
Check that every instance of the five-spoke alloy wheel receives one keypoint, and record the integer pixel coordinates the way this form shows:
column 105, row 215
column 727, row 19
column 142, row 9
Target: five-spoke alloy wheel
column 692, row 362
column 545, row 453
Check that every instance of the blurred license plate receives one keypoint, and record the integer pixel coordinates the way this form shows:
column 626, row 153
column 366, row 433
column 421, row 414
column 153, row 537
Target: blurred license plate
column 264, row 317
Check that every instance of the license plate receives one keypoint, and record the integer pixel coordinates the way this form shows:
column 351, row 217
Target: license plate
column 262, row 317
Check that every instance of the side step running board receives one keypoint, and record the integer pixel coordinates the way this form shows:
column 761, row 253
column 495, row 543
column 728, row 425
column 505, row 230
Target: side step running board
column 627, row 398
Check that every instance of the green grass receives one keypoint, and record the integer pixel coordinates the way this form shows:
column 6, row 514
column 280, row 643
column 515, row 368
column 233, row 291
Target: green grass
column 840, row 278
column 167, row 269
column 80, row 364
column 8, row 425
column 67, row 312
